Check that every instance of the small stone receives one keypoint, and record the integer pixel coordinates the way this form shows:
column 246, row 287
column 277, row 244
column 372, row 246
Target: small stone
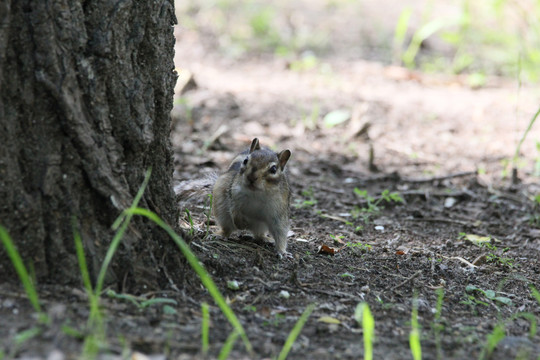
column 449, row 202
column 233, row 285
column 284, row 294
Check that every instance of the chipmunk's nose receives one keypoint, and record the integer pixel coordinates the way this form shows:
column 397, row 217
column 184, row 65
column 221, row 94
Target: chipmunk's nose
column 251, row 177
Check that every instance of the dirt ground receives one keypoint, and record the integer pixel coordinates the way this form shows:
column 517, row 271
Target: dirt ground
column 463, row 233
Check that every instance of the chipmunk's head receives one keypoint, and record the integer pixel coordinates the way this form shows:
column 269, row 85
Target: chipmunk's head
column 263, row 169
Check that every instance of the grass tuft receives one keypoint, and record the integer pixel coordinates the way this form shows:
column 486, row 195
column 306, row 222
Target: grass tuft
column 363, row 316
column 205, row 327
column 535, row 293
column 493, row 339
column 414, row 336
column 199, row 269
column 227, row 347
column 121, row 224
column 25, row 278
column 295, row 332
column 437, row 325
column 525, row 133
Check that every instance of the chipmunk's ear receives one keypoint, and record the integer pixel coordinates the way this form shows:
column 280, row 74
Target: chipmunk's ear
column 283, row 158
column 254, row 145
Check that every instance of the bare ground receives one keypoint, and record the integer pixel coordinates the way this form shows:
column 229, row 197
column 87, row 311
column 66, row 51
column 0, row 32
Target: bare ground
column 429, row 136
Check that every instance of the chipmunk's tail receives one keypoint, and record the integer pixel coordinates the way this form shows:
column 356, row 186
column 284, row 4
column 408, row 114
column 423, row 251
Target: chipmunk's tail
column 195, row 190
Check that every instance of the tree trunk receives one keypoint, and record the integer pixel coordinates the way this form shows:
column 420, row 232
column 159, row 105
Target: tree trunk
column 86, row 87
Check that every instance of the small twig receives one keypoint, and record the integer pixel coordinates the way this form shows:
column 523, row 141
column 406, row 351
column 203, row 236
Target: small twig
column 340, row 294
column 460, row 259
column 268, row 285
column 334, row 191
column 439, row 178
column 171, row 282
column 509, row 197
column 407, row 280
column 437, row 193
column 442, row 220
column 334, row 217
column 197, row 245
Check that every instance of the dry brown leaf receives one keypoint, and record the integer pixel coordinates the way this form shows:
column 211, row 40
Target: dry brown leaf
column 325, row 249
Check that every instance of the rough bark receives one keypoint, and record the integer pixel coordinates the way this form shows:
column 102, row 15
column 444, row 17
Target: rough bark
column 86, row 89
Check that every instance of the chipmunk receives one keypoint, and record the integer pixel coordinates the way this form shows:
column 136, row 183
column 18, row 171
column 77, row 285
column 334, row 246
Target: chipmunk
column 254, row 194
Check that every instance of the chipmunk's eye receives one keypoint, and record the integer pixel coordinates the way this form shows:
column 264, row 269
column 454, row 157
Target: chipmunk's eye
column 245, row 161
column 273, row 169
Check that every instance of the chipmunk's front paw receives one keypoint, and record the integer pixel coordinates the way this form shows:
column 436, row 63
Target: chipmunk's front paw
column 285, row 255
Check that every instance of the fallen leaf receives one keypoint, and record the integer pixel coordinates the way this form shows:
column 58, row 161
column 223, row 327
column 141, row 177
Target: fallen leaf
column 325, row 249
column 402, row 250
column 169, row 310
column 336, row 117
column 333, row 217
column 328, row 320
column 502, row 299
column 477, row 239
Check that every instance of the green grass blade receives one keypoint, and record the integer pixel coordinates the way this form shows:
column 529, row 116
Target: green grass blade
column 401, row 29
column 119, row 234
column 437, row 326
column 295, row 332
column 95, row 319
column 532, row 319
column 227, row 347
column 91, row 346
column 18, row 263
column 368, row 324
column 191, row 225
column 535, row 294
column 26, row 335
column 364, row 317
column 199, row 269
column 154, row 301
column 83, row 267
column 138, row 301
column 493, row 339
column 420, row 36
column 205, row 327
column 72, row 332
column 127, row 297
column 438, row 307
column 529, row 127
column 414, row 336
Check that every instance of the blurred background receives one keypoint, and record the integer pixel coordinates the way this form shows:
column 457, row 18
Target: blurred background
column 418, row 86
column 479, row 38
